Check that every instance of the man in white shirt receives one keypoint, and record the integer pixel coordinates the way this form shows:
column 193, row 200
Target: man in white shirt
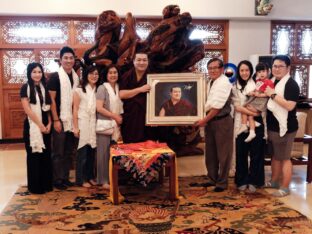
column 218, row 125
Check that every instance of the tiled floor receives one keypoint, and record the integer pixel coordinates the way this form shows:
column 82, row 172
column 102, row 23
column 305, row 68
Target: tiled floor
column 13, row 174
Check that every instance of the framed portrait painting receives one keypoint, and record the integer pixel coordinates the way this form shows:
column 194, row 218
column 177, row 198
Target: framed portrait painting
column 175, row 98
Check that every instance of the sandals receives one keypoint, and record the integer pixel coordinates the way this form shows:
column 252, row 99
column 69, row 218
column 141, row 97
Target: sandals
column 92, row 182
column 271, row 184
column 242, row 187
column 281, row 192
column 252, row 188
column 86, row 185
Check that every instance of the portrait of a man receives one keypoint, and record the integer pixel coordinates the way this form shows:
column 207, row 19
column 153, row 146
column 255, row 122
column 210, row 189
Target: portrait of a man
column 176, row 99
column 176, row 106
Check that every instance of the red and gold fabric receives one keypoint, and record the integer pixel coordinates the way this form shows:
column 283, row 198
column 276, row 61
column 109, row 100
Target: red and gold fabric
column 142, row 160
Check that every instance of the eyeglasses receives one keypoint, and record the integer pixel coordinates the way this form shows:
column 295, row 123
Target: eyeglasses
column 93, row 74
column 278, row 66
column 213, row 68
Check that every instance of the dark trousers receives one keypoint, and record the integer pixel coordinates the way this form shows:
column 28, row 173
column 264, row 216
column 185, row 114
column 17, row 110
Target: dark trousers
column 39, row 172
column 218, row 150
column 39, row 165
column 62, row 153
column 251, row 172
column 85, row 164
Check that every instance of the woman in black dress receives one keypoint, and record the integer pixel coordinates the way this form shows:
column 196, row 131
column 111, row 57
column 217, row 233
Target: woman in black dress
column 37, row 127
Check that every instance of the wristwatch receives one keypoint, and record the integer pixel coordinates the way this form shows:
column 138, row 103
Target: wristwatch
column 273, row 96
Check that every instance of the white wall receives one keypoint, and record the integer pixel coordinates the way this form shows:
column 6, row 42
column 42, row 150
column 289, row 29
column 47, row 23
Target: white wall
column 248, row 37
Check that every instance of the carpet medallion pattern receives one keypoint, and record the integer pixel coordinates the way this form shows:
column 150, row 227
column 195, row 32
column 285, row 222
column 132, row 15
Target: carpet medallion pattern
column 147, row 210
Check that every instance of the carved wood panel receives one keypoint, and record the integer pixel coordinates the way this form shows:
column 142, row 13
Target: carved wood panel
column 14, row 114
column 27, row 39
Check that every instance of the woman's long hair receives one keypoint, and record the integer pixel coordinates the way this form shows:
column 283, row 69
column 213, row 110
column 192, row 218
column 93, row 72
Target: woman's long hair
column 240, row 80
column 32, row 96
column 86, row 71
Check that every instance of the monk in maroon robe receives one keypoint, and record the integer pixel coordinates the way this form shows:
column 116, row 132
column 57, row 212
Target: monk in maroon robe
column 176, row 106
column 133, row 89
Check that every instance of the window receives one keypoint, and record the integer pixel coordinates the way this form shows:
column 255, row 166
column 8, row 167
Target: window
column 214, row 35
column 35, row 32
column 295, row 39
column 47, row 59
column 84, row 32
column 15, row 65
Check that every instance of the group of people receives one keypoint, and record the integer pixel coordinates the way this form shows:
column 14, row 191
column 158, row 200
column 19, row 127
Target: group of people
column 275, row 99
column 62, row 114
column 61, row 120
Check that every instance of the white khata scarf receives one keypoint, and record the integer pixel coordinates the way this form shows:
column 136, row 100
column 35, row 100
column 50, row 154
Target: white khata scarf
column 35, row 135
column 115, row 104
column 279, row 112
column 66, row 114
column 91, row 109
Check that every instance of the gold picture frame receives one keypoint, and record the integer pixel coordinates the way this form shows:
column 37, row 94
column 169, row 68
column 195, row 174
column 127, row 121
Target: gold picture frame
column 189, row 110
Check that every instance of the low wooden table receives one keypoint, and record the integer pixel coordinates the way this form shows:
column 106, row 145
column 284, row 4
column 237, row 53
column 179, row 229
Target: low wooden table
column 142, row 156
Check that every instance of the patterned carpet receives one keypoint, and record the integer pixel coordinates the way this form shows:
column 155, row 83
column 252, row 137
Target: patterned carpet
column 146, row 210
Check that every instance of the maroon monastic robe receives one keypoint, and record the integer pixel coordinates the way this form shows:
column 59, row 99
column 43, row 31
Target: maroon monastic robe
column 181, row 108
column 133, row 125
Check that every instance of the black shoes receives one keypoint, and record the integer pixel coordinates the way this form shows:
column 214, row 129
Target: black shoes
column 60, row 186
column 218, row 189
column 68, row 183
column 63, row 185
column 207, row 184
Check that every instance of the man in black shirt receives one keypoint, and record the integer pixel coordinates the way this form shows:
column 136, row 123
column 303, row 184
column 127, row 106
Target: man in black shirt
column 281, row 112
column 61, row 85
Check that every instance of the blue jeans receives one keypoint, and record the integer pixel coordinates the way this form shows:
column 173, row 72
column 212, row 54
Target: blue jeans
column 85, row 164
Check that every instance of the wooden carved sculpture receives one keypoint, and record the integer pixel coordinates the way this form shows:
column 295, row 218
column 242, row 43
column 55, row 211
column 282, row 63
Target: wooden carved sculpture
column 168, row 44
column 168, row 47
column 108, row 47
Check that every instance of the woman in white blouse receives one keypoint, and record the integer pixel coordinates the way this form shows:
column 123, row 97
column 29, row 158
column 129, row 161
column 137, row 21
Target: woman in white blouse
column 249, row 172
column 84, row 126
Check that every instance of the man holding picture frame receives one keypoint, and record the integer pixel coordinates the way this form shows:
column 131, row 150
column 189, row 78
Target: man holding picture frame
column 133, row 88
column 218, row 125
